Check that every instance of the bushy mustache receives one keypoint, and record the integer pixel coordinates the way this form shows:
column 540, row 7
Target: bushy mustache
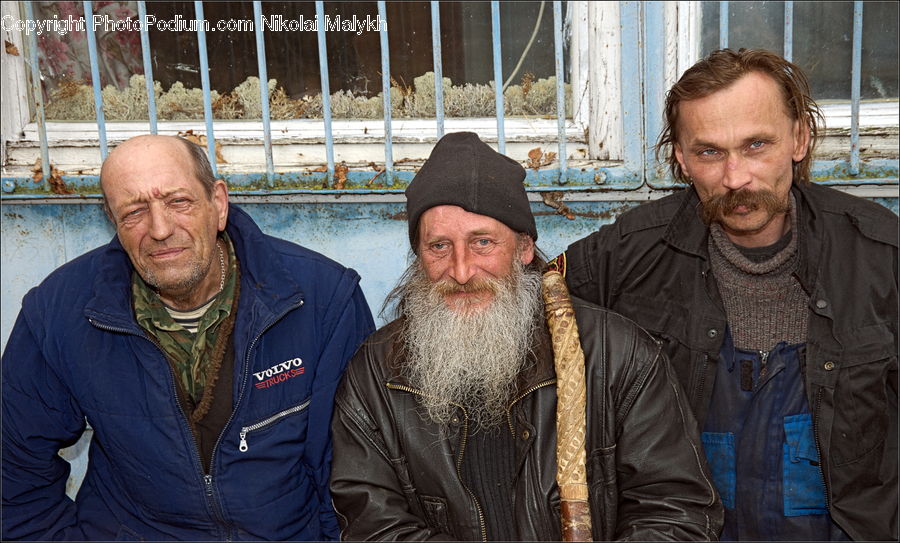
column 716, row 208
column 448, row 287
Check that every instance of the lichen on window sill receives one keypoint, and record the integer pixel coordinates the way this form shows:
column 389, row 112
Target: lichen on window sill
column 74, row 101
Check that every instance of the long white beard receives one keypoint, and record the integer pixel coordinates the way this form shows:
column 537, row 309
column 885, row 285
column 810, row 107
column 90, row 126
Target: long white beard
column 469, row 358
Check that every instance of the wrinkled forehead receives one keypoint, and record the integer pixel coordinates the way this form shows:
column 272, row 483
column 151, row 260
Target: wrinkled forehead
column 752, row 103
column 140, row 158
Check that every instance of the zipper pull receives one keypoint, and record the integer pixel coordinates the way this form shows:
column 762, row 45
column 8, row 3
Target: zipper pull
column 243, row 446
column 763, row 358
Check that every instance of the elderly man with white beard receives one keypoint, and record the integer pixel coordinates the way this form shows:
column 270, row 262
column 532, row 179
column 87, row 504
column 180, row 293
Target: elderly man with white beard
column 445, row 421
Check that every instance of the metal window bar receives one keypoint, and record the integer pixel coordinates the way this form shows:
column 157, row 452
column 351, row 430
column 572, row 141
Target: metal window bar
column 148, row 69
column 723, row 25
column 788, row 51
column 560, row 90
column 855, row 76
column 264, row 90
column 438, row 68
column 204, row 81
column 653, row 89
column 95, row 79
column 326, row 91
column 40, row 114
column 498, row 75
column 630, row 74
column 386, row 89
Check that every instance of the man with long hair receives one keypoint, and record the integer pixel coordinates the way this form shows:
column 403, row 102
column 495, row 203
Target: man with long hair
column 775, row 299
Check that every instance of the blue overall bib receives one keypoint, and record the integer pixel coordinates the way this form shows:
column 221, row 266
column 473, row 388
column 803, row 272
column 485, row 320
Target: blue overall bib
column 761, row 448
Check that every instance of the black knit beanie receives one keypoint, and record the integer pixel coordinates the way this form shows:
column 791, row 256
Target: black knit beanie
column 464, row 171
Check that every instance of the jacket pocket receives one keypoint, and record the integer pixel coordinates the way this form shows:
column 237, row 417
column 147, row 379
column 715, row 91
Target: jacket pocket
column 268, row 422
column 604, row 492
column 803, row 488
column 720, row 456
column 862, row 404
column 435, row 510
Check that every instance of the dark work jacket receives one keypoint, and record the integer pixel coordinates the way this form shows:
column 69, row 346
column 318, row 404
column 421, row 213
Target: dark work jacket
column 652, row 266
column 395, row 474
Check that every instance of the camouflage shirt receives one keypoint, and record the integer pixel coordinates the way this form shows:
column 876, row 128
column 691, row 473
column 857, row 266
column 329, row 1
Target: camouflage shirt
column 188, row 354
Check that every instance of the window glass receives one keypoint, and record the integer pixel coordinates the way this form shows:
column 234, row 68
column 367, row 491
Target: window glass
column 822, row 42
column 354, row 60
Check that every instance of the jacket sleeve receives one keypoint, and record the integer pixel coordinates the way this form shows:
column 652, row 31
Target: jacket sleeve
column 665, row 490
column 39, row 418
column 348, row 328
column 368, row 494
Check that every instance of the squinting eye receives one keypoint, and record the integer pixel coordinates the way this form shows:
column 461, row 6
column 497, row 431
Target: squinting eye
column 483, row 242
column 438, row 246
column 707, row 152
column 757, row 144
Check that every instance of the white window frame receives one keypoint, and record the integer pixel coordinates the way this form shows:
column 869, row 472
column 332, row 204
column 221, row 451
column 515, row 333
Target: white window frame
column 594, row 134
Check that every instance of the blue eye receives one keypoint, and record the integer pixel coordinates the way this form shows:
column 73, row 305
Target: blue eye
column 133, row 213
column 757, row 144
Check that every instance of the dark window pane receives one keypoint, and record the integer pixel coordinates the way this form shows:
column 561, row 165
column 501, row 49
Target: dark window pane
column 822, row 39
column 354, row 61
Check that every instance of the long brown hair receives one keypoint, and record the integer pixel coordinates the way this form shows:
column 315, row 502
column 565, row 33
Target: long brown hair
column 721, row 69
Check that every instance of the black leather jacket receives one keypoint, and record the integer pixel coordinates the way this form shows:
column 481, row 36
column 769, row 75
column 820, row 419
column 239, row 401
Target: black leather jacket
column 651, row 265
column 395, row 475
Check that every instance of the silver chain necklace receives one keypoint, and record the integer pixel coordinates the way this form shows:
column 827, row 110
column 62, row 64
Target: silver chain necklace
column 221, row 267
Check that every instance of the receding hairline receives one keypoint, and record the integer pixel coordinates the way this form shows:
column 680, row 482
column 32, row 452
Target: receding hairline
column 151, row 139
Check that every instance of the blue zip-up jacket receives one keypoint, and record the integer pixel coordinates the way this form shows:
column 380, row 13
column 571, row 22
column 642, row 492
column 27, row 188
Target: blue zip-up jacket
column 76, row 355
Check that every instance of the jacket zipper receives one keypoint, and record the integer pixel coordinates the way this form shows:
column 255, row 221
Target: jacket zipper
column 763, row 359
column 462, row 450
column 207, row 478
column 819, row 449
column 512, row 431
column 246, row 372
column 702, row 384
column 519, row 397
column 262, row 424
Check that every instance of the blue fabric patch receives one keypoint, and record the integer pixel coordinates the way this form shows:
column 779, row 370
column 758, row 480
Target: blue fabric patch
column 720, row 455
column 804, row 490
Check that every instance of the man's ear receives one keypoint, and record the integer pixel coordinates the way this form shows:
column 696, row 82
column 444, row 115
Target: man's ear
column 220, row 200
column 679, row 156
column 801, row 140
column 526, row 249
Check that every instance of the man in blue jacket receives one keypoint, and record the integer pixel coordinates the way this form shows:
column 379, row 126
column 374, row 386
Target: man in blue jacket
column 203, row 353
